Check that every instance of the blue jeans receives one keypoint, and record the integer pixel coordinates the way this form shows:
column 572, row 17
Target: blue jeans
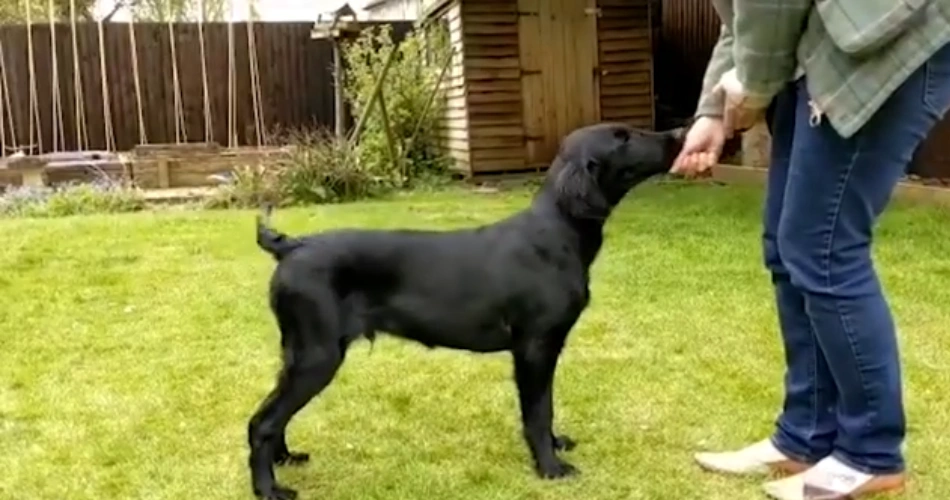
column 843, row 392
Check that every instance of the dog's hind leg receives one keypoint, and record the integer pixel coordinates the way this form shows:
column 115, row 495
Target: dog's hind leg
column 283, row 455
column 563, row 443
column 535, row 360
column 297, row 386
column 312, row 358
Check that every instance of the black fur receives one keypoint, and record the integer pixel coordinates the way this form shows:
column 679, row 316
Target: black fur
column 517, row 285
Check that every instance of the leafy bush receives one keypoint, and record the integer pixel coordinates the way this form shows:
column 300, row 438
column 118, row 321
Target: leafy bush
column 100, row 196
column 411, row 79
column 319, row 168
column 322, row 168
column 247, row 186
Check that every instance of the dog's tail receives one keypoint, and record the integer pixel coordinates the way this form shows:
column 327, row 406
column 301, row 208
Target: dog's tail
column 273, row 242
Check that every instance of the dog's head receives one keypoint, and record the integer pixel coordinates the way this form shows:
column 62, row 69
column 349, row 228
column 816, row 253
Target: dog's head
column 597, row 165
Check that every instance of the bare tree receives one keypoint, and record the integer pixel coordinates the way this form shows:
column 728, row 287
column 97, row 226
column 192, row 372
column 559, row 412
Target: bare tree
column 116, row 7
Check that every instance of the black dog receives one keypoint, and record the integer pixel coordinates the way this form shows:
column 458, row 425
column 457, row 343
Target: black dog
column 517, row 285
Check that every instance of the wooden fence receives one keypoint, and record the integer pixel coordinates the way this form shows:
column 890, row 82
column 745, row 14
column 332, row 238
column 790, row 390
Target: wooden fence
column 296, row 83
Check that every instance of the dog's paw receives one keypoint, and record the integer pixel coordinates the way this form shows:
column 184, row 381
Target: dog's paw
column 292, row 458
column 278, row 493
column 564, row 443
column 557, row 470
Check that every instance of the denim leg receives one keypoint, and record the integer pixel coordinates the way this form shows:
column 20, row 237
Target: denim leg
column 836, row 190
column 805, row 430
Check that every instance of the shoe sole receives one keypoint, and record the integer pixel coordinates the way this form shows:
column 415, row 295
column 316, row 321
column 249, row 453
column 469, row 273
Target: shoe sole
column 776, row 469
column 813, row 493
column 889, row 490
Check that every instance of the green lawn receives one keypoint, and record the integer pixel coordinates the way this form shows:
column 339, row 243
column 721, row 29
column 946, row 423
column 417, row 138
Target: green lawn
column 133, row 348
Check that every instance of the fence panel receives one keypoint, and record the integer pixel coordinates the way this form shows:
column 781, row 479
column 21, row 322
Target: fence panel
column 296, row 82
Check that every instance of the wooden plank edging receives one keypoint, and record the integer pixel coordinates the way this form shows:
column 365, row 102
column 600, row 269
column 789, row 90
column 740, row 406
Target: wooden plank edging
column 905, row 190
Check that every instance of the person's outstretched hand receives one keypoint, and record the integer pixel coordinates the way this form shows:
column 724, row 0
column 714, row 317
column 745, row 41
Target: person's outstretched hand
column 701, row 148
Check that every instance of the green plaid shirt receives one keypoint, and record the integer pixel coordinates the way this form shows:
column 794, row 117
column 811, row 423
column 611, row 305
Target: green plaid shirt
column 854, row 53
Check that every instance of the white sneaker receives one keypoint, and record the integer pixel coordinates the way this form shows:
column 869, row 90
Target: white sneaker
column 758, row 459
column 830, row 479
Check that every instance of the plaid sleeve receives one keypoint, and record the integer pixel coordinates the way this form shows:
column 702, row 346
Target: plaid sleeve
column 710, row 103
column 766, row 39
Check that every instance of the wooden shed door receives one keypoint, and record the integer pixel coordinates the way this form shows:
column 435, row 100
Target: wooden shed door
column 558, row 41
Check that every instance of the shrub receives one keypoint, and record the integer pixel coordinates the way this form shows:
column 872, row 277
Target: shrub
column 247, row 186
column 411, row 79
column 322, row 168
column 319, row 168
column 100, row 196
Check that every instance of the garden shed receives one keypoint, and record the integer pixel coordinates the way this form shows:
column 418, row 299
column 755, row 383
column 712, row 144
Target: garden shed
column 527, row 72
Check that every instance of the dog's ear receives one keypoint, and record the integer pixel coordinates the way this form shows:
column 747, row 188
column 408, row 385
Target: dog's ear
column 578, row 193
column 622, row 134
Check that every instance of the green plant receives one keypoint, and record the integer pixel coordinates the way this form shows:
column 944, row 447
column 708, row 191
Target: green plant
column 247, row 186
column 318, row 168
column 322, row 168
column 410, row 82
column 100, row 196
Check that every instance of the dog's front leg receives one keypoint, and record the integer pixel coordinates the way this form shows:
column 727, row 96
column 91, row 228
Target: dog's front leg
column 534, row 375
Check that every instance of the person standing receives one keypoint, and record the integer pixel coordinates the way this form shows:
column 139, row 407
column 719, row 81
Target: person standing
column 849, row 89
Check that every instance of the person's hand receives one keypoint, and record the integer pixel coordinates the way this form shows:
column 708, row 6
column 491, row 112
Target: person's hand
column 741, row 111
column 701, row 147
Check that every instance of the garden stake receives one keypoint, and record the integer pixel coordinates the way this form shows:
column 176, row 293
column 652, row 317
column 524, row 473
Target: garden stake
column 361, row 122
column 393, row 156
column 425, row 110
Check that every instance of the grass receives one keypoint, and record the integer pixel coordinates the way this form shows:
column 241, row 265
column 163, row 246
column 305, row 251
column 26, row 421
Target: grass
column 134, row 347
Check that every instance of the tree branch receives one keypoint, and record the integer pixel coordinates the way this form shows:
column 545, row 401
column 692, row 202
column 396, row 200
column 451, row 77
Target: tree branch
column 118, row 6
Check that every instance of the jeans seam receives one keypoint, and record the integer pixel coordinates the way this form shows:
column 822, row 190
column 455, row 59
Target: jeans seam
column 835, row 217
column 928, row 91
column 845, row 318
column 858, row 357
column 925, row 95
column 814, row 391
column 929, row 88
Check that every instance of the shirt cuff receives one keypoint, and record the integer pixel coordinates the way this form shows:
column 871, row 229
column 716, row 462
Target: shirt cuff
column 710, row 104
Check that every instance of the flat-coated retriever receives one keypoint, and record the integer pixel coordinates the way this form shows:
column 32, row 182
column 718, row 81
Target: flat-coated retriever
column 516, row 285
